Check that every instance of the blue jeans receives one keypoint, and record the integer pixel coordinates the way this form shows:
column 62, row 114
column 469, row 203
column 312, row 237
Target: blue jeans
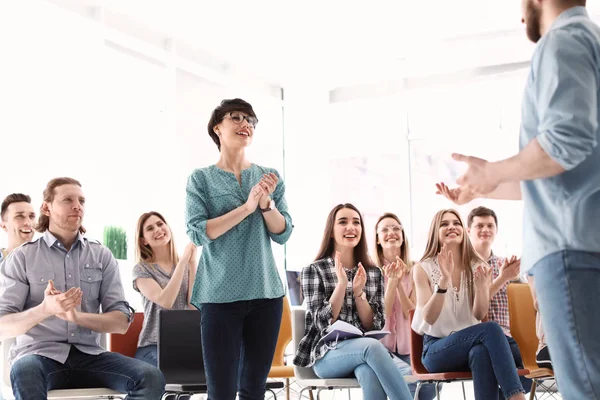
column 33, row 376
column 369, row 360
column 148, row 354
column 238, row 342
column 482, row 349
column 514, row 349
column 427, row 391
column 566, row 284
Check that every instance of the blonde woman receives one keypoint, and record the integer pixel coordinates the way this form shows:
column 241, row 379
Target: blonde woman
column 453, row 290
column 392, row 253
column 164, row 280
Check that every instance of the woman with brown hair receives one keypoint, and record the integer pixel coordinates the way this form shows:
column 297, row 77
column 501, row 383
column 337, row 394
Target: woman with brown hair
column 343, row 284
column 453, row 296
column 392, row 253
column 164, row 280
column 235, row 210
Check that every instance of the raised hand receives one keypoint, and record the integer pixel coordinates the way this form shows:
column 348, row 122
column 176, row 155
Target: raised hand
column 479, row 177
column 189, row 252
column 63, row 305
column 340, row 272
column 482, row 277
column 459, row 196
column 268, row 183
column 396, row 270
column 510, row 269
column 360, row 280
column 392, row 271
column 446, row 263
column 254, row 197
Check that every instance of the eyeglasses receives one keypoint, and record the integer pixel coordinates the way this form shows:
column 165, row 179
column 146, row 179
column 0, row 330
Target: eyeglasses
column 238, row 118
column 392, row 228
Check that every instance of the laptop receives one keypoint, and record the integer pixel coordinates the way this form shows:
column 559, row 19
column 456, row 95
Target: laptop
column 180, row 351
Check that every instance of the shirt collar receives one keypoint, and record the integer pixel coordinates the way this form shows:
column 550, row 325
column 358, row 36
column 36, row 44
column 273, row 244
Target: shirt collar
column 565, row 17
column 51, row 240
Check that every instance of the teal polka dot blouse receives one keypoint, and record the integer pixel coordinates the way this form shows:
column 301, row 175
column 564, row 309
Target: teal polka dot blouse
column 238, row 265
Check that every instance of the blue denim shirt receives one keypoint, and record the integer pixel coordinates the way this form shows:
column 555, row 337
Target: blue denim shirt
column 561, row 109
column 24, row 276
column 238, row 265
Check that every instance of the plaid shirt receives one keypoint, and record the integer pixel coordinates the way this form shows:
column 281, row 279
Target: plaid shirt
column 318, row 283
column 499, row 304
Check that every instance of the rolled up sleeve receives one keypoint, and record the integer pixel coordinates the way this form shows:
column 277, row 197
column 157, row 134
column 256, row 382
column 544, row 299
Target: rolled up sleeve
column 281, row 204
column 112, row 295
column 567, row 89
column 318, row 307
column 14, row 285
column 196, row 212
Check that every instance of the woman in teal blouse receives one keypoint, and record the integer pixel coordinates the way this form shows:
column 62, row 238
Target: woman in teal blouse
column 233, row 210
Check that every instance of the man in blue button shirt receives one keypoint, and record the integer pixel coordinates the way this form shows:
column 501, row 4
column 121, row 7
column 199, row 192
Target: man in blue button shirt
column 557, row 174
column 57, row 295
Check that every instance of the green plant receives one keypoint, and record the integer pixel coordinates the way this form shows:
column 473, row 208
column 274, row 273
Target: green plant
column 115, row 238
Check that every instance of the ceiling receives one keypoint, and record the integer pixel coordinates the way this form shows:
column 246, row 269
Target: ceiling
column 332, row 41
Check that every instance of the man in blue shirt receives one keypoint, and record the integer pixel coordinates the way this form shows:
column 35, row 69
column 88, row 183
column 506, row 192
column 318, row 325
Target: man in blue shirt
column 57, row 295
column 557, row 174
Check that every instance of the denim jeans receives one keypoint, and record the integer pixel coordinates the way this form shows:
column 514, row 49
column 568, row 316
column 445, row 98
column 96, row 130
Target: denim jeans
column 32, row 376
column 238, row 342
column 514, row 349
column 566, row 284
column 148, row 354
column 482, row 349
column 369, row 360
column 427, row 391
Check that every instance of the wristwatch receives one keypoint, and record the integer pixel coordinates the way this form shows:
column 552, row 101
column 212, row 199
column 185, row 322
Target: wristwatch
column 270, row 207
column 437, row 289
column 362, row 296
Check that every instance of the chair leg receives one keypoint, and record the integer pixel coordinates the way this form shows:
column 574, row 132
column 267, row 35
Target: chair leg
column 463, row 387
column 310, row 395
column 319, row 394
column 273, row 393
column 437, row 390
column 533, row 387
column 287, row 388
column 417, row 390
column 349, row 394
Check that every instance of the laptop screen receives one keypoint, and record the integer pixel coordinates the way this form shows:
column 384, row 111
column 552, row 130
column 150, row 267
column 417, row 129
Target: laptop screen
column 180, row 347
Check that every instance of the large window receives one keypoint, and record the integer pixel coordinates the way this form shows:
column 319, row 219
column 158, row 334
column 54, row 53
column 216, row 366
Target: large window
column 386, row 154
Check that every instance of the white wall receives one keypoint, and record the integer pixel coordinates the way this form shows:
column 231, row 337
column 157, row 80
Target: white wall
column 129, row 129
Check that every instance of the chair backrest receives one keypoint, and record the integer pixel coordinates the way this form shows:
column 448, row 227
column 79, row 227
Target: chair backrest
column 416, row 349
column 285, row 334
column 298, row 325
column 126, row 344
column 522, row 322
column 180, row 355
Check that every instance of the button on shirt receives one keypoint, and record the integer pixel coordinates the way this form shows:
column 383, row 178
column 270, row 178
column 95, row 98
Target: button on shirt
column 561, row 109
column 24, row 276
column 238, row 265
